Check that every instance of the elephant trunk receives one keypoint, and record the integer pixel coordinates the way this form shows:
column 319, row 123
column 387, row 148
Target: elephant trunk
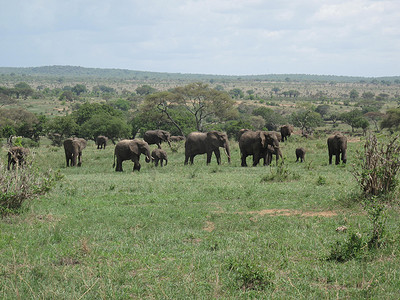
column 228, row 152
column 344, row 156
column 148, row 158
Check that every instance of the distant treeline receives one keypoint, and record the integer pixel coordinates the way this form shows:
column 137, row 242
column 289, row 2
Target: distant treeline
column 81, row 72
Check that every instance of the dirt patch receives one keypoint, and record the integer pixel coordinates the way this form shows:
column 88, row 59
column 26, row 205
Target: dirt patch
column 291, row 212
column 209, row 226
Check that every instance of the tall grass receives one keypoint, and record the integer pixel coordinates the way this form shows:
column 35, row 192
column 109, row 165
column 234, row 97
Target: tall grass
column 192, row 231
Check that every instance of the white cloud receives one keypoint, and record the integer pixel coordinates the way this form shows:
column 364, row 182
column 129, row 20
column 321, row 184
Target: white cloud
column 354, row 37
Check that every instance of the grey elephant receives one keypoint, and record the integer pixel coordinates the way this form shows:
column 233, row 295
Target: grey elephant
column 206, row 142
column 131, row 150
column 101, row 142
column 255, row 143
column 177, row 138
column 272, row 151
column 286, row 131
column 337, row 145
column 300, row 153
column 73, row 151
column 16, row 155
column 159, row 155
column 157, row 137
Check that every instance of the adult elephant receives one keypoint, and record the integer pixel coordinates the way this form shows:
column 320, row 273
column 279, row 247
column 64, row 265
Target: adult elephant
column 337, row 145
column 131, row 150
column 206, row 142
column 16, row 155
column 255, row 143
column 286, row 131
column 73, row 150
column 101, row 142
column 157, row 137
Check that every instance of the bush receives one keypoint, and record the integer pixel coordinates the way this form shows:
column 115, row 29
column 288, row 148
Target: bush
column 21, row 185
column 351, row 248
column 249, row 275
column 379, row 165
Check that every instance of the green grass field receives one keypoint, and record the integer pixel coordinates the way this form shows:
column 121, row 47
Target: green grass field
column 194, row 232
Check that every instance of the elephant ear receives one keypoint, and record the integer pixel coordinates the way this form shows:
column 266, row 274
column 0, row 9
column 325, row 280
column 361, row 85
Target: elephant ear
column 213, row 137
column 133, row 147
column 263, row 139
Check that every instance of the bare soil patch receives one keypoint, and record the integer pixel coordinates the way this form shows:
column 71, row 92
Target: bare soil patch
column 291, row 212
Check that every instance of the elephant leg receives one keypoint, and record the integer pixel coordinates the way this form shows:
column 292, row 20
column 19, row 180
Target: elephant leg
column 79, row 159
column 218, row 156
column 186, row 159
column 337, row 160
column 119, row 165
column 244, row 164
column 256, row 159
column 136, row 164
column 161, row 162
column 156, row 162
column 209, row 154
column 159, row 145
column 191, row 159
column 330, row 158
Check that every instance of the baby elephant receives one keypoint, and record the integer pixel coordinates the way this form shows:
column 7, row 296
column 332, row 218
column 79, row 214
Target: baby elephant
column 300, row 152
column 159, row 155
column 16, row 155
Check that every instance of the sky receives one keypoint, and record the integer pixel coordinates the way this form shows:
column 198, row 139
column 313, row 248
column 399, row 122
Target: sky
column 222, row 37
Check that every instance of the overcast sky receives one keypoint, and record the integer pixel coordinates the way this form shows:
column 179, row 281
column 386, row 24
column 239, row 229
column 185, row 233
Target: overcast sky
column 225, row 37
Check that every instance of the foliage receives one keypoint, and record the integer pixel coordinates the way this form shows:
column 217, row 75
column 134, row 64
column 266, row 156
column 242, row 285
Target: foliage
column 355, row 119
column 378, row 166
column 351, row 248
column 145, row 90
column 102, row 124
column 88, row 110
column 21, row 185
column 64, row 126
column 392, row 119
column 272, row 119
column 306, row 119
column 248, row 274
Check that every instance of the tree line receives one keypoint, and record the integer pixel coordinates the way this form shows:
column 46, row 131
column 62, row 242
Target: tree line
column 180, row 110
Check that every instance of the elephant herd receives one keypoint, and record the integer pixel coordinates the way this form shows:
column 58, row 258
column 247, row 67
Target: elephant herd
column 258, row 144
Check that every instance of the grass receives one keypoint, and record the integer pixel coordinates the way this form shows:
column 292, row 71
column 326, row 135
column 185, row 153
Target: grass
column 193, row 231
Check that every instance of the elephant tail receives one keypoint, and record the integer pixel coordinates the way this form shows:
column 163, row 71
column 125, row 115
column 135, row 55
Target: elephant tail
column 114, row 162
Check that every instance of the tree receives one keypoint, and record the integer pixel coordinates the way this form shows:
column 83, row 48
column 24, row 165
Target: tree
column 322, row 109
column 64, row 126
column 79, row 89
column 88, row 110
column 67, row 95
column 23, row 89
column 145, row 90
column 375, row 117
column 368, row 95
column 236, row 93
column 306, row 119
column 103, row 124
column 271, row 119
column 353, row 94
column 392, row 119
column 355, row 119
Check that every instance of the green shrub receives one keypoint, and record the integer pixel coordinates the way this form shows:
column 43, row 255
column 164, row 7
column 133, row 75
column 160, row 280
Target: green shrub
column 249, row 275
column 346, row 250
column 21, row 185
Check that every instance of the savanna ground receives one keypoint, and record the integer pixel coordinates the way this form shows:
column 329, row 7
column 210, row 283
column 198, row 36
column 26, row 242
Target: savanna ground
column 195, row 232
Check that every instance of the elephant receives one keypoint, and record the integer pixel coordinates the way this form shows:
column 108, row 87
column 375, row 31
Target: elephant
column 300, row 153
column 337, row 144
column 73, row 149
column 286, row 131
column 101, row 142
column 272, row 151
column 159, row 155
column 131, row 150
column 177, row 138
column 255, row 143
column 157, row 137
column 16, row 155
column 206, row 142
